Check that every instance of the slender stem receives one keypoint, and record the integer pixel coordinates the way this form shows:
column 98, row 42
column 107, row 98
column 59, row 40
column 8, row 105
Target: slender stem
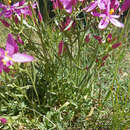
column 33, row 83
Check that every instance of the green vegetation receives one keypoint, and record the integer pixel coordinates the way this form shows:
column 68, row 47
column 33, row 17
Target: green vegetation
column 70, row 91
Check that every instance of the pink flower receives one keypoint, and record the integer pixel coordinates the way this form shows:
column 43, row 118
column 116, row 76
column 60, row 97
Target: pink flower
column 108, row 16
column 17, row 8
column 116, row 45
column 3, row 120
column 66, row 4
column 11, row 55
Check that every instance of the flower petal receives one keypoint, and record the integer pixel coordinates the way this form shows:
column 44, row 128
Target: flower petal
column 116, row 23
column 95, row 13
column 22, row 58
column 101, row 4
column 102, row 15
column 11, row 45
column 67, row 4
column 1, row 67
column 115, row 16
column 2, row 52
column 103, row 23
column 91, row 6
column 114, row 4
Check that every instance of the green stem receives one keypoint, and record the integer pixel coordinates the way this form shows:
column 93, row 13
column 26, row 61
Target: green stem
column 33, row 83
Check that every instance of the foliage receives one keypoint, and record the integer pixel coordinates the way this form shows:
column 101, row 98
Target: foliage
column 72, row 83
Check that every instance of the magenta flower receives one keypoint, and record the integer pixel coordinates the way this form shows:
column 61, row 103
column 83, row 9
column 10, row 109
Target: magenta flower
column 109, row 17
column 11, row 55
column 66, row 4
column 114, row 4
column 17, row 8
column 3, row 120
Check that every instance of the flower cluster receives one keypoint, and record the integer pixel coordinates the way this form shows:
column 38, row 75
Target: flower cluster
column 65, row 4
column 17, row 8
column 14, row 11
column 105, row 9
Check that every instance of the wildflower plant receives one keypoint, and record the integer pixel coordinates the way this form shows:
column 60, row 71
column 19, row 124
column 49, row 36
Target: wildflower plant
column 64, row 87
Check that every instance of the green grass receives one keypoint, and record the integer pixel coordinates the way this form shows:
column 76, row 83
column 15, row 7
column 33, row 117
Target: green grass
column 50, row 95
column 3, row 35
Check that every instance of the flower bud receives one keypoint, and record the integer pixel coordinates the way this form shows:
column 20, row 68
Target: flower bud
column 87, row 38
column 16, row 20
column 116, row 45
column 105, row 57
column 98, row 38
column 61, row 45
column 5, row 23
column 40, row 16
column 19, row 40
column 109, row 37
